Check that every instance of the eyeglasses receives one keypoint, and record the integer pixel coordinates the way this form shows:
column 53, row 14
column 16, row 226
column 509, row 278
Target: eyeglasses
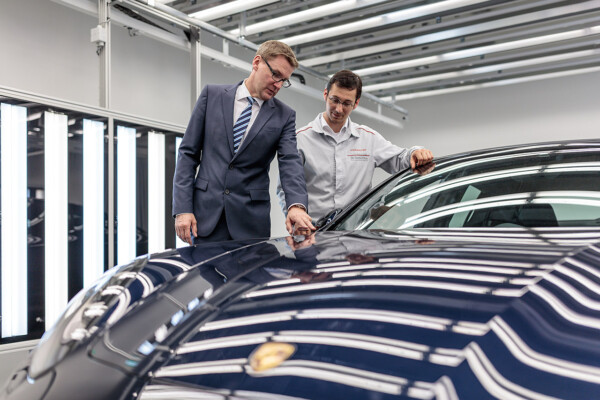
column 276, row 77
column 345, row 104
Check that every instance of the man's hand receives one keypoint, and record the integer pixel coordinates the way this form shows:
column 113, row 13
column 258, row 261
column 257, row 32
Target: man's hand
column 308, row 241
column 299, row 220
column 184, row 223
column 420, row 157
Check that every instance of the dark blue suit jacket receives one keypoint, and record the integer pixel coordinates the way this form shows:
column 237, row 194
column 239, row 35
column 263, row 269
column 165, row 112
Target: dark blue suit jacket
column 237, row 183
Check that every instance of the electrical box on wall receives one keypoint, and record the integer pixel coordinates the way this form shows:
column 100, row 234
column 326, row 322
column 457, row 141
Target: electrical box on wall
column 98, row 35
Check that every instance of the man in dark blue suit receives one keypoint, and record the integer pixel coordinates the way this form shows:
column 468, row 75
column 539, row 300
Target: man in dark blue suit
column 231, row 139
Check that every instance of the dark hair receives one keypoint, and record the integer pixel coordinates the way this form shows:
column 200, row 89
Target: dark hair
column 346, row 79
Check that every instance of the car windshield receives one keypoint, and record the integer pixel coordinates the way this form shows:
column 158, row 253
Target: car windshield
column 530, row 186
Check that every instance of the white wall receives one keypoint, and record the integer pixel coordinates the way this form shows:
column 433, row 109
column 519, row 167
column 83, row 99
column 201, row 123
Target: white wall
column 551, row 109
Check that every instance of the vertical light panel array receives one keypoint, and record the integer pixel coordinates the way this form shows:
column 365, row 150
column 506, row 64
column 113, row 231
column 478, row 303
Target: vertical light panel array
column 126, row 197
column 56, row 215
column 178, row 242
column 13, row 132
column 156, row 192
column 93, row 201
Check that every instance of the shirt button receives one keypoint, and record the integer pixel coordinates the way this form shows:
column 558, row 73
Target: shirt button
column 226, row 191
column 230, row 166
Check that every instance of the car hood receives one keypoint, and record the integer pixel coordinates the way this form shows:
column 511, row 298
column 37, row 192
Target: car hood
column 440, row 313
column 448, row 313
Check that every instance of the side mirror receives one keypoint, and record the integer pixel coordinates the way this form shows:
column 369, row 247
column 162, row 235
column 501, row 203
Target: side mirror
column 326, row 220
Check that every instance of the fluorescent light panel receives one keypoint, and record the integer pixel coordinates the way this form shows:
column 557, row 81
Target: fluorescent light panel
column 306, row 15
column 178, row 242
column 126, row 195
column 13, row 159
column 482, row 70
column 381, row 20
column 480, row 51
column 428, row 93
column 56, row 213
column 233, row 7
column 156, row 192
column 93, row 201
column 451, row 33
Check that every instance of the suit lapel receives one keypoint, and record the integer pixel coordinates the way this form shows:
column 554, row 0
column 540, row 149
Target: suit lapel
column 265, row 113
column 228, row 100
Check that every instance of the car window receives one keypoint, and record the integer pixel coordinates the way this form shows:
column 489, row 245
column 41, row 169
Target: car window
column 557, row 188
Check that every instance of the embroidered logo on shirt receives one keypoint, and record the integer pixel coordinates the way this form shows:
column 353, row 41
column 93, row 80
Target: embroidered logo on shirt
column 358, row 155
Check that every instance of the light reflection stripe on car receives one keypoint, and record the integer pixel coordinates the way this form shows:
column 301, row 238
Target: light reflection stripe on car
column 584, row 266
column 396, row 348
column 565, row 311
column 393, row 317
column 442, row 285
column 574, row 293
column 432, row 274
column 310, row 369
column 170, row 392
column 496, row 384
column 539, row 361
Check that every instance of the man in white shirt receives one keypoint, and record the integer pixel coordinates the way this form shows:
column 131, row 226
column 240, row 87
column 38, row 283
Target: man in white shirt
column 340, row 156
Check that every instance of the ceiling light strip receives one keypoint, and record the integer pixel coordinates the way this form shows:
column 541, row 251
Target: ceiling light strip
column 504, row 82
column 233, row 7
column 453, row 33
column 482, row 70
column 379, row 21
column 307, row 15
column 480, row 51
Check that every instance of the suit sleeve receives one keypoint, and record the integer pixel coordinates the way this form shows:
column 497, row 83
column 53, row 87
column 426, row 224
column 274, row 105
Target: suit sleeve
column 291, row 171
column 188, row 158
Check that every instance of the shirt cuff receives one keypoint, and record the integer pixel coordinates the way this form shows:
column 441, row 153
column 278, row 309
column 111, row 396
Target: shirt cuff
column 302, row 206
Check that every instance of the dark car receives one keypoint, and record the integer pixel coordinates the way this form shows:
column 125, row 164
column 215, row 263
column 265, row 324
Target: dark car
column 478, row 278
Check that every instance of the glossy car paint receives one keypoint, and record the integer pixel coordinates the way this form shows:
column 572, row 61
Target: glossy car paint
column 469, row 313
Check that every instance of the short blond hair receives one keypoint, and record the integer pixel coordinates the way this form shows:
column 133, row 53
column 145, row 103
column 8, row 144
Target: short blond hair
column 274, row 48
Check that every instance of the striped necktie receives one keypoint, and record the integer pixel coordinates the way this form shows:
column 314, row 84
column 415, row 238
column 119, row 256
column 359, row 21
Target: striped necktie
column 242, row 124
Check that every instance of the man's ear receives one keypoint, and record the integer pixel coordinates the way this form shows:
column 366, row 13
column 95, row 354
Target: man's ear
column 356, row 104
column 255, row 62
column 325, row 94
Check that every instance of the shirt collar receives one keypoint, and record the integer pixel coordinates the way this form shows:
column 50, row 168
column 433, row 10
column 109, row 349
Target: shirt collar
column 325, row 128
column 242, row 92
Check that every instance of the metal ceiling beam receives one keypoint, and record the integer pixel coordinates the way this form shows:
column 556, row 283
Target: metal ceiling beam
column 454, row 33
column 445, row 24
column 488, row 60
column 448, row 46
column 559, row 74
column 168, row 13
column 376, row 22
column 469, row 72
column 479, row 51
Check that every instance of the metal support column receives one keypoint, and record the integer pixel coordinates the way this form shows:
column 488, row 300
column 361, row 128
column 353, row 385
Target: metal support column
column 196, row 53
column 104, row 51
